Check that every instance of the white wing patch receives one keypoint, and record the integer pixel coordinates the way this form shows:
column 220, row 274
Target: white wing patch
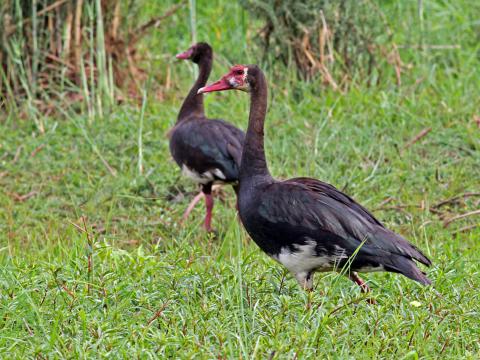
column 203, row 178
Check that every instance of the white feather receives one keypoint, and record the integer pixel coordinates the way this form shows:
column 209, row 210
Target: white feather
column 203, row 178
column 305, row 259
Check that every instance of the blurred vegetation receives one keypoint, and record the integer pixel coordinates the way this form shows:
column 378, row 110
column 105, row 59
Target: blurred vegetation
column 335, row 39
column 87, row 55
column 71, row 51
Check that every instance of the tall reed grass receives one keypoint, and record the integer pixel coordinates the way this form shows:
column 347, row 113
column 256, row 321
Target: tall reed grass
column 80, row 55
column 336, row 40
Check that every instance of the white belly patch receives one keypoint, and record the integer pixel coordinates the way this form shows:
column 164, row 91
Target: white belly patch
column 306, row 259
column 203, row 178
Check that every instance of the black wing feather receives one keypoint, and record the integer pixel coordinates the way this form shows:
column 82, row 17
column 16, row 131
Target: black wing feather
column 307, row 208
column 203, row 144
column 354, row 215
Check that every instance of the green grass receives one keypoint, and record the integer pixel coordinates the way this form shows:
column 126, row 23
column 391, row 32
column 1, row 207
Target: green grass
column 156, row 289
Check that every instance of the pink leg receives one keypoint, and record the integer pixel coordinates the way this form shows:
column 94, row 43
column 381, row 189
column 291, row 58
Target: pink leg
column 208, row 216
column 358, row 280
column 365, row 289
column 190, row 207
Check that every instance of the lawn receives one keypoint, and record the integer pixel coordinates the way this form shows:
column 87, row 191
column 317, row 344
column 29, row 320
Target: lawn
column 94, row 262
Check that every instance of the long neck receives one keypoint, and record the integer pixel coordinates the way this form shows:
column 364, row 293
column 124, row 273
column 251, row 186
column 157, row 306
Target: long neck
column 253, row 156
column 193, row 104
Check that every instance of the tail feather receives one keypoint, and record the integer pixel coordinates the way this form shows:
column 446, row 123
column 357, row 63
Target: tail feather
column 408, row 268
column 420, row 256
column 396, row 244
column 417, row 275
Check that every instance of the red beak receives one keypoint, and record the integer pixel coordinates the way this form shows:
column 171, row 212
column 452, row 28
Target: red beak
column 220, row 85
column 185, row 55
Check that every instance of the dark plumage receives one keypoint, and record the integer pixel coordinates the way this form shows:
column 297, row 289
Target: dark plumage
column 207, row 150
column 305, row 224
